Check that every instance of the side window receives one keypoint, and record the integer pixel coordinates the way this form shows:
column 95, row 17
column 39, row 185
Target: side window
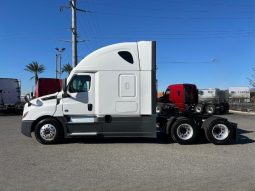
column 80, row 84
column 167, row 92
column 200, row 92
column 126, row 56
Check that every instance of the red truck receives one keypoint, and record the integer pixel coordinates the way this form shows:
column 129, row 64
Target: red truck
column 47, row 86
column 185, row 98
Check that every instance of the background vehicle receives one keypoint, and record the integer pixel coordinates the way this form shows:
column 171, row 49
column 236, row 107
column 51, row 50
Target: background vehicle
column 112, row 93
column 186, row 97
column 46, row 86
column 10, row 95
column 213, row 100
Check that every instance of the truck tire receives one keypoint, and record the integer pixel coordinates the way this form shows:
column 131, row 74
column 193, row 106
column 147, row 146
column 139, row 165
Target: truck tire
column 218, row 130
column 199, row 108
column 184, row 131
column 48, row 131
column 226, row 108
column 210, row 109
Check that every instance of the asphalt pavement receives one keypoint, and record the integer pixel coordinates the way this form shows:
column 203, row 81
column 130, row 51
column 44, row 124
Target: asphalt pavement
column 126, row 164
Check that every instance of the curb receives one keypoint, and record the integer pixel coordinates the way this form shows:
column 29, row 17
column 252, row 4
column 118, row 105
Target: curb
column 242, row 112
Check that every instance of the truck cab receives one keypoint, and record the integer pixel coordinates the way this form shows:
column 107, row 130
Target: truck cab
column 181, row 95
column 110, row 93
column 46, row 86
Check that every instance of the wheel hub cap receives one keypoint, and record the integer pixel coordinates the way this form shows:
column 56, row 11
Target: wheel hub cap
column 48, row 132
column 220, row 132
column 184, row 131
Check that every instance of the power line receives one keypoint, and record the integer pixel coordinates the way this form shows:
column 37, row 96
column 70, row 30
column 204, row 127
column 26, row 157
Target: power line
column 158, row 37
column 174, row 17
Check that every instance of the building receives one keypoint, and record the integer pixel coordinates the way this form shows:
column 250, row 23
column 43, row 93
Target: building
column 239, row 94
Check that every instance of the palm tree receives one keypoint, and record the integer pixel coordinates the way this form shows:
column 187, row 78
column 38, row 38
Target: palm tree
column 67, row 68
column 36, row 68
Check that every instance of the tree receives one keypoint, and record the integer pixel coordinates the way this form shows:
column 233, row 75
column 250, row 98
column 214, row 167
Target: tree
column 252, row 79
column 36, row 68
column 67, row 68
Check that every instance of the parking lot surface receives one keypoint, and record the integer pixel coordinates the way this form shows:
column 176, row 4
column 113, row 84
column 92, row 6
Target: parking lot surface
column 126, row 164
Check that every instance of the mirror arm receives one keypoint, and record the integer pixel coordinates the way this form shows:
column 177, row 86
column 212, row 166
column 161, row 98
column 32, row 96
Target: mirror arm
column 27, row 100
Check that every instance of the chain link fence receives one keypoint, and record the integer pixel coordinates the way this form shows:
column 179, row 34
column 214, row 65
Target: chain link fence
column 247, row 107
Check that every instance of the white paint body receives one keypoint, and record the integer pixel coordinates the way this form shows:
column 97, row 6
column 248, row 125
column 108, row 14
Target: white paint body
column 117, row 88
column 212, row 94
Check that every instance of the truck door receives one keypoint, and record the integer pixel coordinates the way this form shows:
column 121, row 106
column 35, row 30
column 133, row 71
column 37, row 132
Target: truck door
column 79, row 104
column 177, row 96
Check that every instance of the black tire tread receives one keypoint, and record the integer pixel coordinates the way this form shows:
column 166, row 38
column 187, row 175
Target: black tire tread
column 59, row 135
column 209, row 123
column 178, row 121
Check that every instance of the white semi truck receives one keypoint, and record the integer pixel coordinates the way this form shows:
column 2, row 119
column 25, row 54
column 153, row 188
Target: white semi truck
column 112, row 93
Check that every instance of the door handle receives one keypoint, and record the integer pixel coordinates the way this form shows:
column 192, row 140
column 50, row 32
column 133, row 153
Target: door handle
column 90, row 107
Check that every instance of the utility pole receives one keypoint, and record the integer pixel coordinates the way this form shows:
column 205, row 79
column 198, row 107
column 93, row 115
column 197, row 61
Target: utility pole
column 74, row 33
column 74, row 29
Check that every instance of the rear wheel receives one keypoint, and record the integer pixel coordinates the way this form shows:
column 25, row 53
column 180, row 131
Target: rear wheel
column 226, row 108
column 48, row 131
column 184, row 131
column 218, row 131
column 199, row 108
column 210, row 109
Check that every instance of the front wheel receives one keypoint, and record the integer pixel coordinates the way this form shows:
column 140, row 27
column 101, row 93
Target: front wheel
column 184, row 131
column 48, row 131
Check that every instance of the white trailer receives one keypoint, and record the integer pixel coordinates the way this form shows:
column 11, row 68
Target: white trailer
column 112, row 93
column 9, row 94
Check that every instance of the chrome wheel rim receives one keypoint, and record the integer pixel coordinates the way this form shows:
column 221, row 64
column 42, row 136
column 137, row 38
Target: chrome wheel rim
column 48, row 132
column 220, row 132
column 198, row 109
column 185, row 131
column 210, row 109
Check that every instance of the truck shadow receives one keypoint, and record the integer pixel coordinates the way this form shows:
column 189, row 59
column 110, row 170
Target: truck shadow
column 161, row 139
column 242, row 138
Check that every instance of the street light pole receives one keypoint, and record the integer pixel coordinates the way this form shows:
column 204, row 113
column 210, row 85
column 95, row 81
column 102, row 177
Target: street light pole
column 56, row 66
column 58, row 61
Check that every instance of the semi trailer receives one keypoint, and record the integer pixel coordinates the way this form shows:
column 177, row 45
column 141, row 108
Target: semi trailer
column 112, row 93
column 10, row 95
column 186, row 97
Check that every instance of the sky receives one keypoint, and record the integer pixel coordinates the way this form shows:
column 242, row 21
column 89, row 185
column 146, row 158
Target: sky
column 210, row 43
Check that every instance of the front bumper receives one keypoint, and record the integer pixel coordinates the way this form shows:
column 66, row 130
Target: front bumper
column 26, row 127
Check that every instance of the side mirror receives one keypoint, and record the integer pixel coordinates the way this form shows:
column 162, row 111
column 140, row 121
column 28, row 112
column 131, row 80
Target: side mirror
column 64, row 88
column 27, row 99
